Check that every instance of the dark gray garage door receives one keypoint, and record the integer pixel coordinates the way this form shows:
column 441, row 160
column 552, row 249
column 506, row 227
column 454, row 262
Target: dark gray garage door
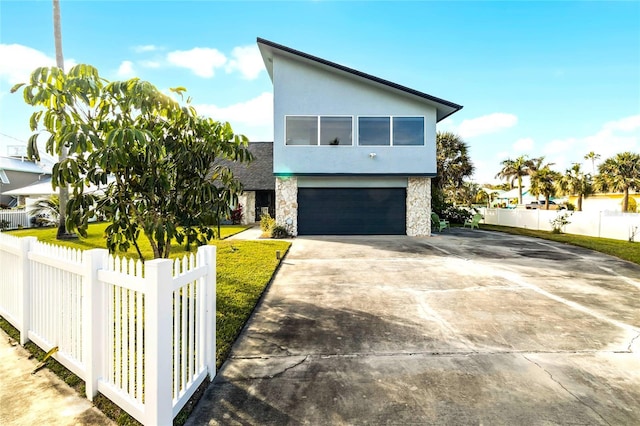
column 351, row 211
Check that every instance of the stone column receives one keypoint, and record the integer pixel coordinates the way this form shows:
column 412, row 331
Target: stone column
column 248, row 202
column 419, row 206
column 287, row 203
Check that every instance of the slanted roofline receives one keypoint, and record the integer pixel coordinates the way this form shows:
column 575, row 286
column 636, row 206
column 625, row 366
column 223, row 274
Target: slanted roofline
column 444, row 108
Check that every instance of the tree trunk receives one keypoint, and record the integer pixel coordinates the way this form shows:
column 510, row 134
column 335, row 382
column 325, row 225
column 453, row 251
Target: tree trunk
column 519, row 189
column 64, row 189
column 625, row 200
column 579, row 203
column 546, row 202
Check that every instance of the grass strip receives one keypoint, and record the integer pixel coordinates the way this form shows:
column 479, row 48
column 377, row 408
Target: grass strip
column 622, row 249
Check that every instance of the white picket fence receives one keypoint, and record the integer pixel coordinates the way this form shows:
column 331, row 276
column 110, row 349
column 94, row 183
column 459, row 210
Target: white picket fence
column 15, row 219
column 142, row 335
column 605, row 224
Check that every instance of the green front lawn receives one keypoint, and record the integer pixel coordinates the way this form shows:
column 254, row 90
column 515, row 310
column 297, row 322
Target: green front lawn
column 96, row 239
column 623, row 249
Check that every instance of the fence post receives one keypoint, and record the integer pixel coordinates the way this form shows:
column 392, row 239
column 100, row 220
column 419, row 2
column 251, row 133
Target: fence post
column 209, row 256
column 93, row 319
column 25, row 288
column 158, row 350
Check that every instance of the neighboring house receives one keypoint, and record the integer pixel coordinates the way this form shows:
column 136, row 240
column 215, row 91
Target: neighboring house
column 608, row 202
column 16, row 173
column 257, row 179
column 352, row 153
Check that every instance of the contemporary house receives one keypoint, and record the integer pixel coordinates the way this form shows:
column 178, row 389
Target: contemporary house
column 16, row 173
column 352, row 153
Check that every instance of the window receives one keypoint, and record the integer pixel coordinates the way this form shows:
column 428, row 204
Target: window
column 408, row 131
column 336, row 130
column 302, row 130
column 374, row 131
column 308, row 130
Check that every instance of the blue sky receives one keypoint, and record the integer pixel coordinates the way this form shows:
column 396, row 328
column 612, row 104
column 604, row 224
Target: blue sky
column 557, row 79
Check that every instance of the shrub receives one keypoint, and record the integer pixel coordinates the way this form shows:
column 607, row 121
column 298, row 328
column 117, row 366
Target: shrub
column 267, row 223
column 236, row 215
column 570, row 207
column 559, row 222
column 279, row 232
column 457, row 214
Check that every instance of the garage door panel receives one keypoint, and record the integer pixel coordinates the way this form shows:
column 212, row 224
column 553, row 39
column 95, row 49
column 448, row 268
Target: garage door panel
column 351, row 211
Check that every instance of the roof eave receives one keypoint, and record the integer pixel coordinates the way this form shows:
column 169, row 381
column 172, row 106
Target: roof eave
column 444, row 108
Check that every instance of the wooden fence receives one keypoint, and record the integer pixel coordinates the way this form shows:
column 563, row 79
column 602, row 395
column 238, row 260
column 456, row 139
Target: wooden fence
column 142, row 335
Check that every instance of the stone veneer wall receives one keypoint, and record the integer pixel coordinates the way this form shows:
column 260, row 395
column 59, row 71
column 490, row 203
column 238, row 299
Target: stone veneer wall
column 248, row 202
column 287, row 203
column 419, row 206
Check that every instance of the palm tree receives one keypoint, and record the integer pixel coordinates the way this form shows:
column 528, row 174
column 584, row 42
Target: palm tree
column 593, row 157
column 453, row 164
column 46, row 211
column 515, row 170
column 467, row 193
column 620, row 173
column 543, row 182
column 64, row 190
column 453, row 161
column 575, row 182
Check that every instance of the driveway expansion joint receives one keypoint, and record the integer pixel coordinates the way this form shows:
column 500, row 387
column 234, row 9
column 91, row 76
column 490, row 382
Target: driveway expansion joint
column 630, row 347
column 567, row 390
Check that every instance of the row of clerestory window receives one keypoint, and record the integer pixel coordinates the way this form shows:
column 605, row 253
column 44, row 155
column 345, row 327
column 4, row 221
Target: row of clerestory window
column 305, row 130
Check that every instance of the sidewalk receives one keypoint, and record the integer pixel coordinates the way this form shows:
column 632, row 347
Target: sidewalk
column 252, row 233
column 41, row 398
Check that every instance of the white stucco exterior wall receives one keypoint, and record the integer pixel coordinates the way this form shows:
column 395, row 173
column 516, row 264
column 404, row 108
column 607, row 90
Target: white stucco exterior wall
column 304, row 89
column 248, row 202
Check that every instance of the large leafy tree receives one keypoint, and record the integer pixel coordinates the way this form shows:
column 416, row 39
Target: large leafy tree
column 543, row 182
column 159, row 153
column 575, row 182
column 514, row 170
column 620, row 173
column 454, row 166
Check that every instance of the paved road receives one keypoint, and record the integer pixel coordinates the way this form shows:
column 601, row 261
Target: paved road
column 467, row 327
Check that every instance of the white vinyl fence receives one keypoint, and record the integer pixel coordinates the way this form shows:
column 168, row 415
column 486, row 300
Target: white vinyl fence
column 14, row 219
column 605, row 224
column 142, row 335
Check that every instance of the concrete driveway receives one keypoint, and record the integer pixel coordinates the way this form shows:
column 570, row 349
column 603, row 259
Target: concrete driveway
column 466, row 327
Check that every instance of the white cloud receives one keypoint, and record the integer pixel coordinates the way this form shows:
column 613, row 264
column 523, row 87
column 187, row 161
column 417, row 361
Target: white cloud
column 126, row 70
column 524, row 145
column 253, row 118
column 201, row 60
column 613, row 137
column 18, row 62
column 145, row 48
column 247, row 60
column 486, row 124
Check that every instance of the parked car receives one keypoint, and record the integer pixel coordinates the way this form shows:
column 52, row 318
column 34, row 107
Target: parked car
column 541, row 204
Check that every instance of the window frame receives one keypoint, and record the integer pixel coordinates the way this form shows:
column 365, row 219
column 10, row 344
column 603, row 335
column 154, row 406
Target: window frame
column 391, row 141
column 318, row 118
